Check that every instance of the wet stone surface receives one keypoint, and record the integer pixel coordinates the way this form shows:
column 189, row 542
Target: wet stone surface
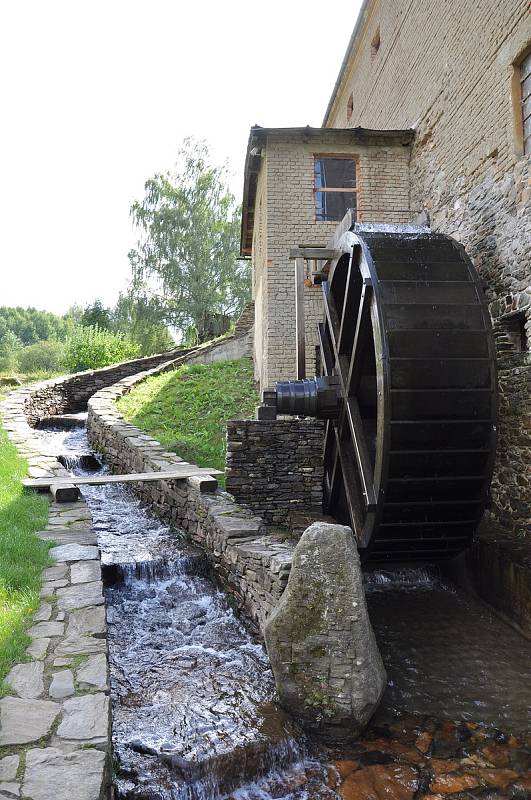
column 446, row 654
column 192, row 693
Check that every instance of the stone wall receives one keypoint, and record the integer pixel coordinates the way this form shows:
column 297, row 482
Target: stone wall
column 450, row 71
column 276, row 467
column 70, row 393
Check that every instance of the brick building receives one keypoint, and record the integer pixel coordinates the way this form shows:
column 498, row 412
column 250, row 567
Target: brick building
column 433, row 104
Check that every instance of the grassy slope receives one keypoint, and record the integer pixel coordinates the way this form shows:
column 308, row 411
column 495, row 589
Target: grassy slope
column 22, row 554
column 186, row 410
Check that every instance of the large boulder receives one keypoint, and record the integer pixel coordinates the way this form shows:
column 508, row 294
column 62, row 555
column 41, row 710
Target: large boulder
column 327, row 666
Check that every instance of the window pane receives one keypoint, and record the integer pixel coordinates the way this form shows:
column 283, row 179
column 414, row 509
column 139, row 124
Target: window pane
column 336, row 173
column 525, row 67
column 332, row 206
column 526, row 88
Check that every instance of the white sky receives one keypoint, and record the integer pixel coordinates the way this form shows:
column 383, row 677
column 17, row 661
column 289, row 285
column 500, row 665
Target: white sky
column 97, row 96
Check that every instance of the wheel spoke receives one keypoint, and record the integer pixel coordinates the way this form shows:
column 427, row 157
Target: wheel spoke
column 361, row 337
column 361, row 452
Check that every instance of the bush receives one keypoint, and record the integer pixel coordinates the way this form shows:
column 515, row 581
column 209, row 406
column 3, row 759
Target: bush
column 9, row 347
column 92, row 348
column 46, row 356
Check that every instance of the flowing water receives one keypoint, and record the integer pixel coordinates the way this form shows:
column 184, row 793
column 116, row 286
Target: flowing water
column 194, row 716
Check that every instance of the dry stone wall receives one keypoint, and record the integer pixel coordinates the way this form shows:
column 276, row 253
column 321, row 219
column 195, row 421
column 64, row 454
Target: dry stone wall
column 70, row 393
column 276, row 467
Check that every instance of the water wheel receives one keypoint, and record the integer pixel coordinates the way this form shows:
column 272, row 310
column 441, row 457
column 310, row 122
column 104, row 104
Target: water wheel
column 406, row 350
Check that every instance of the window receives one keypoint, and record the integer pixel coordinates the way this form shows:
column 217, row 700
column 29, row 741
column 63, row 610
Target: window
column 525, row 95
column 335, row 187
column 511, row 333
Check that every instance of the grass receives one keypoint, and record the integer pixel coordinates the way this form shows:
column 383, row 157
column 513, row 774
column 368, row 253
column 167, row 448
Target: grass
column 186, row 409
column 23, row 555
column 30, row 377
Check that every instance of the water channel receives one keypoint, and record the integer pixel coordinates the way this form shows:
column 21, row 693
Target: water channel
column 194, row 713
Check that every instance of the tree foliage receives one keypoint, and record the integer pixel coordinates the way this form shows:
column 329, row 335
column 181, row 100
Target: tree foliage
column 96, row 315
column 30, row 325
column 186, row 259
column 142, row 320
column 10, row 345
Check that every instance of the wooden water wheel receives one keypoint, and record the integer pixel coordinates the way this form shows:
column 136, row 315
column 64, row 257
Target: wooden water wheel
column 407, row 355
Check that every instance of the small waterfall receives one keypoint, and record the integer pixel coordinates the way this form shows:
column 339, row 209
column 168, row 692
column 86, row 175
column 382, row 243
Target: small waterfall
column 80, row 463
column 147, row 572
column 402, row 578
column 240, row 772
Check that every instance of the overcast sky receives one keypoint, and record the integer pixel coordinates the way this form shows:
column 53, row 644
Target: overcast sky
column 97, row 96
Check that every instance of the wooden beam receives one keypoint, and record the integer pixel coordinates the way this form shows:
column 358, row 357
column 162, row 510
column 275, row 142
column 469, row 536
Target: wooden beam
column 299, row 318
column 100, row 480
column 64, row 492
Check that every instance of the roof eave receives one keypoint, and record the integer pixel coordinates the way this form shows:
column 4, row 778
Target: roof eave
column 258, row 136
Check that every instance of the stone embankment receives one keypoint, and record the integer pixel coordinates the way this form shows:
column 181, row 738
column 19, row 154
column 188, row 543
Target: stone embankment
column 275, row 467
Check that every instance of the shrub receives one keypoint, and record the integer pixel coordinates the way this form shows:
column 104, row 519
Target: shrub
column 46, row 356
column 9, row 346
column 92, row 348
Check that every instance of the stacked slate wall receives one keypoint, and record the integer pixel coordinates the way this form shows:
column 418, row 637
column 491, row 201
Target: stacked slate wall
column 275, row 467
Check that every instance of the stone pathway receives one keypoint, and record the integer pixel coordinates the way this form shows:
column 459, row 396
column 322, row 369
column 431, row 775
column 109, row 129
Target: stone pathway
column 54, row 723
column 54, row 715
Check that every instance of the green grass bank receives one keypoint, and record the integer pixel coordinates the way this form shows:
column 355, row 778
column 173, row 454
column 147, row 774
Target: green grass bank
column 23, row 555
column 186, row 409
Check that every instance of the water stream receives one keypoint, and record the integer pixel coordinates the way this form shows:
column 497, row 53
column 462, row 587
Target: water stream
column 194, row 716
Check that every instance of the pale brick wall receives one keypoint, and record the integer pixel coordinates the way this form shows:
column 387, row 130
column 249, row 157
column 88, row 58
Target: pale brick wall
column 259, row 275
column 288, row 197
column 446, row 68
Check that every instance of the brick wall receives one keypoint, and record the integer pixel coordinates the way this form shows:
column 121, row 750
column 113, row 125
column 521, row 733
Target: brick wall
column 447, row 69
column 285, row 218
